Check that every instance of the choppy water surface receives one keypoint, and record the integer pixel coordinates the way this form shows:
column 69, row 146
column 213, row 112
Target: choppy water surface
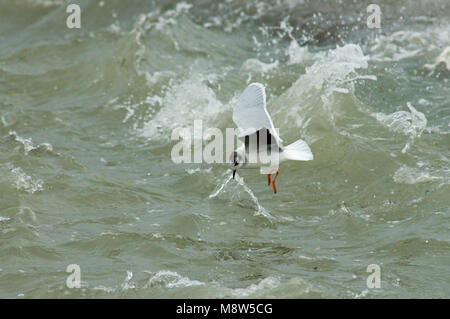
column 85, row 170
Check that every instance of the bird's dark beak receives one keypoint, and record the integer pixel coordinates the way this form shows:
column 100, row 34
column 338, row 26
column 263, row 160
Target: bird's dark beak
column 234, row 173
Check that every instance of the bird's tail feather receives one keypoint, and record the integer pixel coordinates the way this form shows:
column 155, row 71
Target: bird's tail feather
column 298, row 151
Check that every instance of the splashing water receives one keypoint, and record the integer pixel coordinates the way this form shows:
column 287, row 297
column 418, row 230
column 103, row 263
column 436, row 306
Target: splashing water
column 411, row 123
column 260, row 210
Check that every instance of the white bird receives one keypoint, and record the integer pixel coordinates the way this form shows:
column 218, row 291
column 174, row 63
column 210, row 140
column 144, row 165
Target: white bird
column 262, row 147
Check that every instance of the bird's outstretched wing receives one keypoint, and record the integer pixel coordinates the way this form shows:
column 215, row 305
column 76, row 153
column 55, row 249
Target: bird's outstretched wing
column 250, row 112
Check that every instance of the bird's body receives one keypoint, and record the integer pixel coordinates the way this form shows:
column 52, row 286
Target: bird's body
column 256, row 152
column 262, row 147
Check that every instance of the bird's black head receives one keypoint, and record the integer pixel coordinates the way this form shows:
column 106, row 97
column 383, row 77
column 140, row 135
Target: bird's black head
column 236, row 161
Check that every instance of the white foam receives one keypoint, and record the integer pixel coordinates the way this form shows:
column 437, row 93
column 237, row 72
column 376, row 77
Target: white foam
column 410, row 175
column 297, row 54
column 192, row 171
column 105, row 289
column 257, row 66
column 411, row 123
column 443, row 58
column 159, row 21
column 25, row 182
column 171, row 279
column 265, row 284
column 49, row 3
column 183, row 103
column 272, row 286
column 337, row 66
column 28, row 144
column 333, row 73
column 363, row 294
column 408, row 43
column 128, row 284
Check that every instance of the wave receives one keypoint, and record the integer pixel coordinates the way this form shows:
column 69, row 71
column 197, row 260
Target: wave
column 411, row 123
column 405, row 44
column 26, row 182
column 409, row 175
column 168, row 284
column 29, row 146
column 185, row 102
column 442, row 59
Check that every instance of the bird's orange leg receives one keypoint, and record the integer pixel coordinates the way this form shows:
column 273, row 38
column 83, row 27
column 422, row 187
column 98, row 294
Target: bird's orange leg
column 268, row 179
column 273, row 183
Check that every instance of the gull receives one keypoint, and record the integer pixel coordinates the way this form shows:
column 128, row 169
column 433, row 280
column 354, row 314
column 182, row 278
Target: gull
column 261, row 145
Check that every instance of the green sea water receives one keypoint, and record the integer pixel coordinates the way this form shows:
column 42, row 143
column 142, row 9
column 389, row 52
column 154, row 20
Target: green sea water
column 86, row 175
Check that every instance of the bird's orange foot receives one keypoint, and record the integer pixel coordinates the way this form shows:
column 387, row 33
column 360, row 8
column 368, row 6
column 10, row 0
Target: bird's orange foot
column 273, row 183
column 268, row 179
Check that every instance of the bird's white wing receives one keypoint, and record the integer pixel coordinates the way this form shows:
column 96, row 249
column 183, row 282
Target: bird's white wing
column 250, row 112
